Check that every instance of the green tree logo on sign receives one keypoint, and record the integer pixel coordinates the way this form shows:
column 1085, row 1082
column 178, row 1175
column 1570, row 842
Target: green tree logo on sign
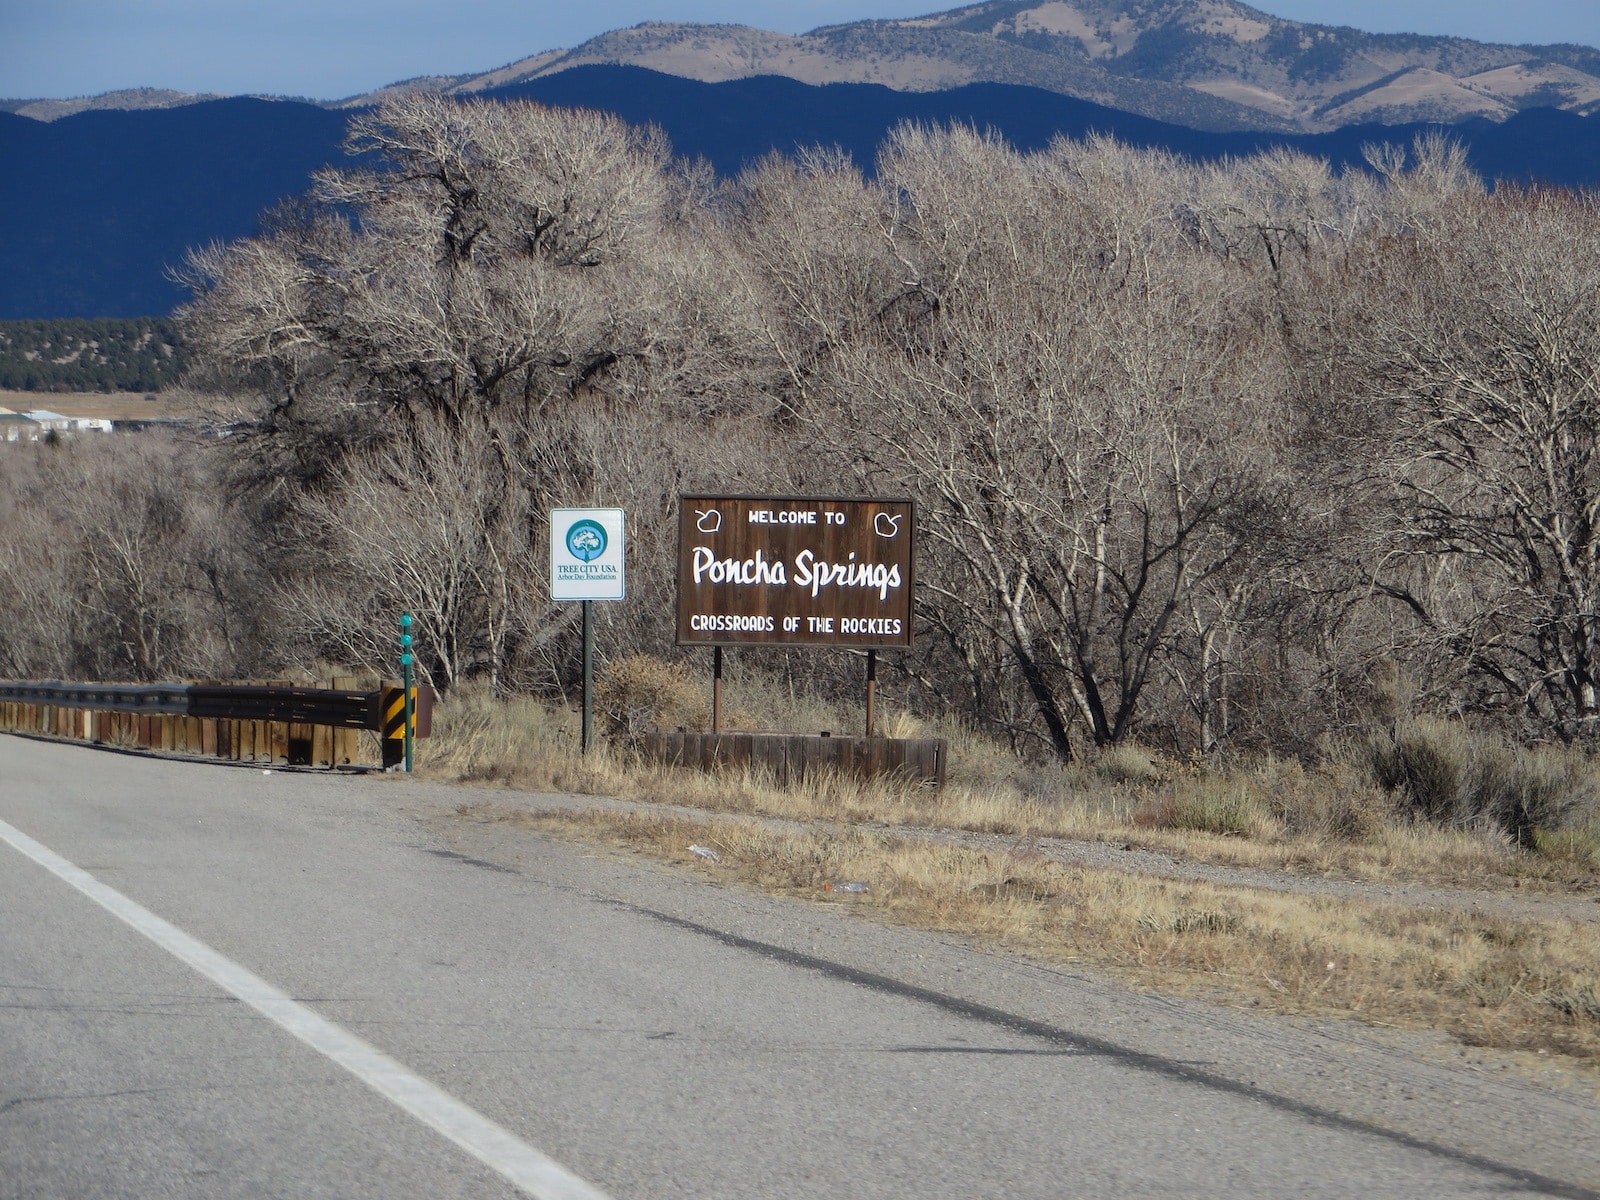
column 586, row 540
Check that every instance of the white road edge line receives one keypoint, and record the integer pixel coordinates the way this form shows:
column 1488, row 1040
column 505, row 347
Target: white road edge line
column 491, row 1144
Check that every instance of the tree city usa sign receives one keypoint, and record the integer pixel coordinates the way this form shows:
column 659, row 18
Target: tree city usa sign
column 794, row 572
column 586, row 559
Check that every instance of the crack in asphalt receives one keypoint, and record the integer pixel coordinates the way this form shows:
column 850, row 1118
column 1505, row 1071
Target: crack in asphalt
column 979, row 1050
column 456, row 856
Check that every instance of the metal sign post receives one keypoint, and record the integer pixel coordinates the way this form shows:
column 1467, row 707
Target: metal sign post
column 587, row 564
column 587, row 732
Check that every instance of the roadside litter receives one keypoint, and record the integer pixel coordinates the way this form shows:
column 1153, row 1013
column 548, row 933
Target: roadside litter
column 705, row 852
column 845, row 887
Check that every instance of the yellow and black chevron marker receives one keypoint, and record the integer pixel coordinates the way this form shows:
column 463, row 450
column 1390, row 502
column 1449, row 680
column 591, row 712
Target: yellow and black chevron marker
column 392, row 717
column 392, row 727
column 394, row 713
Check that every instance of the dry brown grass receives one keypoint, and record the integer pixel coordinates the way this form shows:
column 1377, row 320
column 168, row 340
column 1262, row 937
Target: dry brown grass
column 1487, row 980
column 116, row 405
column 1272, row 815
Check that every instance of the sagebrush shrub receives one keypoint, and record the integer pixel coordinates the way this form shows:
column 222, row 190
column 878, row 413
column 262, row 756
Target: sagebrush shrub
column 637, row 693
column 1425, row 762
column 1127, row 763
column 1445, row 774
column 1334, row 800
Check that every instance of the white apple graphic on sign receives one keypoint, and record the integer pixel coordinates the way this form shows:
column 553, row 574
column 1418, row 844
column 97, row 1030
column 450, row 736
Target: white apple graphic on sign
column 710, row 521
column 886, row 526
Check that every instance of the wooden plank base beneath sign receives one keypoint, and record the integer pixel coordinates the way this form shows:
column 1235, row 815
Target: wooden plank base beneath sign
column 790, row 757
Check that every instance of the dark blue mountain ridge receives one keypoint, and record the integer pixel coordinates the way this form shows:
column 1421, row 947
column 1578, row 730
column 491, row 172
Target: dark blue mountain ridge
column 737, row 122
column 100, row 206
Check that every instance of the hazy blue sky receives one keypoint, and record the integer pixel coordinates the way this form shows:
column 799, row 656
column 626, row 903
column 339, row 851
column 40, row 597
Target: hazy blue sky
column 332, row 48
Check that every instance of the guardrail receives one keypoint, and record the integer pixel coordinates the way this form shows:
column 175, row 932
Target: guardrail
column 273, row 722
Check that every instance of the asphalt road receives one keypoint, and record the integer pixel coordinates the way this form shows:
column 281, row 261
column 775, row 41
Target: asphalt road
column 648, row 1033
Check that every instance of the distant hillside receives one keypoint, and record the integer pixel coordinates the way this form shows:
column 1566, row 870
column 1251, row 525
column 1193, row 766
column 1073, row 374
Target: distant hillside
column 1212, row 64
column 108, row 202
column 142, row 355
column 906, row 59
column 1216, row 65
column 98, row 207
column 123, row 101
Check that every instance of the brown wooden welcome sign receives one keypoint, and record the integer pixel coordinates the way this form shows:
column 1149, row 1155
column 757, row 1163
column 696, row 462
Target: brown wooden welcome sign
column 793, row 571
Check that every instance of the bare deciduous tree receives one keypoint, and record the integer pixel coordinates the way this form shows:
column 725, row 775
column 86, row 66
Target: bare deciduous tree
column 1485, row 366
column 1073, row 399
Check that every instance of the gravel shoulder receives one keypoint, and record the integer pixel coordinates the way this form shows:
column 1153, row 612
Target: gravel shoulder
column 1121, row 856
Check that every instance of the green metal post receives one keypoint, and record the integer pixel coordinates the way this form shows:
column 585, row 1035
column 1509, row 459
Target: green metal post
column 588, row 678
column 405, row 665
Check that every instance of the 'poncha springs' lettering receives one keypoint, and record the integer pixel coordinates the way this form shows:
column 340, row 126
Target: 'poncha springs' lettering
column 808, row 572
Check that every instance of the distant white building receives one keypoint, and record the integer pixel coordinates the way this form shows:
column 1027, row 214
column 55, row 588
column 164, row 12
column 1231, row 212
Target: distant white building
column 15, row 427
column 41, row 422
column 54, row 422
